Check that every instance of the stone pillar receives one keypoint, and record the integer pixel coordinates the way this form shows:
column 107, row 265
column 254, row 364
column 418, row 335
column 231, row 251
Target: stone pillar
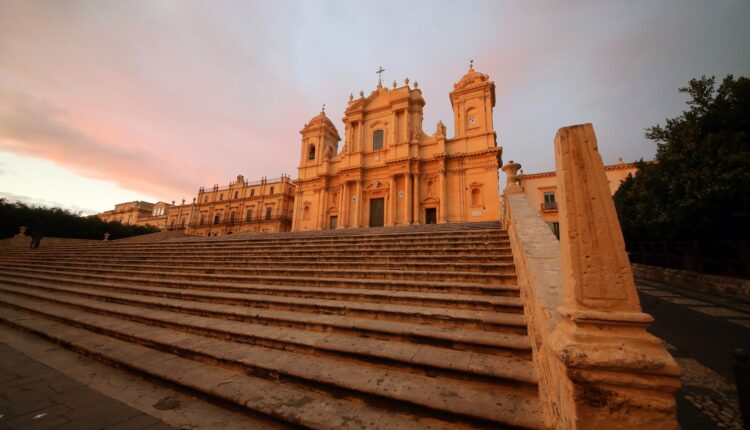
column 407, row 202
column 606, row 370
column 443, row 215
column 417, row 216
column 322, row 197
column 358, row 206
column 340, row 223
column 392, row 201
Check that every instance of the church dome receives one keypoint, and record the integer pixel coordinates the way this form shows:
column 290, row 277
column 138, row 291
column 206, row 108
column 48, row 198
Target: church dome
column 471, row 78
column 319, row 120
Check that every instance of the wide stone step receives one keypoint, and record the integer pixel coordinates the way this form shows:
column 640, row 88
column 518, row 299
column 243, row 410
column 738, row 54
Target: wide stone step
column 488, row 240
column 504, row 284
column 496, row 342
column 285, row 403
column 386, row 263
column 422, row 359
column 506, row 303
column 329, row 271
column 511, row 319
column 482, row 404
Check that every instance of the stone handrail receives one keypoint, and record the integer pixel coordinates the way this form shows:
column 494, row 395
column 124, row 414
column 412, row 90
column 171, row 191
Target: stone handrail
column 598, row 366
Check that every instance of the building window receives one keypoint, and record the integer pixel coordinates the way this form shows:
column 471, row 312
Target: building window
column 252, row 192
column 555, row 227
column 268, row 212
column 217, row 218
column 202, row 220
column 171, row 224
column 221, row 196
column 311, row 152
column 377, row 140
column 236, row 194
column 271, row 190
column 206, row 200
column 231, row 216
column 549, row 201
column 129, row 218
column 249, row 215
column 182, row 222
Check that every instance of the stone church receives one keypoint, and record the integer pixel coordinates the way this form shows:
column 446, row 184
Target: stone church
column 390, row 172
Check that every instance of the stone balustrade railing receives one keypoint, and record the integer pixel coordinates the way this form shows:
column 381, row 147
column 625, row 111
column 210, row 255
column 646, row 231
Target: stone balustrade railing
column 598, row 366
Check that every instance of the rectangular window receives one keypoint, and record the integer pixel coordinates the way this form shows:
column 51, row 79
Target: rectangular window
column 231, row 216
column 549, row 201
column 271, row 191
column 555, row 227
column 221, row 196
column 377, row 140
column 236, row 193
column 249, row 215
column 268, row 212
column 252, row 192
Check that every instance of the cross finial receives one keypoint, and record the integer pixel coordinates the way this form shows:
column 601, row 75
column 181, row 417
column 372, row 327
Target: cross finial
column 323, row 109
column 471, row 64
column 380, row 75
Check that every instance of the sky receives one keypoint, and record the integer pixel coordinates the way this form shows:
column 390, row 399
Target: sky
column 107, row 101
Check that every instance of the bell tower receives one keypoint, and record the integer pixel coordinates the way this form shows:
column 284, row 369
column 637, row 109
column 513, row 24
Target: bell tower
column 320, row 142
column 473, row 98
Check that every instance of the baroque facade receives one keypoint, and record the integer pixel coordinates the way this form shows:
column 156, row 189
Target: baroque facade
column 390, row 172
column 242, row 206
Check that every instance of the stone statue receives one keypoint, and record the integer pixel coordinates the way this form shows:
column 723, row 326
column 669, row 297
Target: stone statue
column 327, row 153
column 21, row 231
column 106, row 237
column 440, row 130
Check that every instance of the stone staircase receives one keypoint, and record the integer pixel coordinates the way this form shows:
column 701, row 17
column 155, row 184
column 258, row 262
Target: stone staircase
column 393, row 328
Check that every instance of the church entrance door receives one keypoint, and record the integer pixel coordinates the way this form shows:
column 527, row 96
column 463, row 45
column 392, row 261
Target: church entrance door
column 430, row 216
column 377, row 209
column 334, row 222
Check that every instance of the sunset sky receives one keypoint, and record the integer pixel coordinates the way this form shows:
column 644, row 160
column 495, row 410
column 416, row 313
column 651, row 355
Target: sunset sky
column 106, row 101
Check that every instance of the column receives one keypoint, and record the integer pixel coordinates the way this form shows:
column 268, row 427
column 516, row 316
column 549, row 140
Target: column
column 347, row 205
column 340, row 223
column 392, row 196
column 358, row 210
column 443, row 216
column 322, row 209
column 408, row 207
column 417, row 214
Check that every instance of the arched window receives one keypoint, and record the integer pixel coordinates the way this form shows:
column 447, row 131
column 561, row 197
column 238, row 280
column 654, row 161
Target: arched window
column 311, row 152
column 377, row 140
column 476, row 197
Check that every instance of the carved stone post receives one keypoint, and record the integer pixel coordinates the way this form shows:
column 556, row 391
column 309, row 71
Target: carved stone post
column 358, row 205
column 608, row 372
column 511, row 171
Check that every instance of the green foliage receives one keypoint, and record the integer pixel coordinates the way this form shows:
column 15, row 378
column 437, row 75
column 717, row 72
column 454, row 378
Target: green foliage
column 57, row 222
column 699, row 185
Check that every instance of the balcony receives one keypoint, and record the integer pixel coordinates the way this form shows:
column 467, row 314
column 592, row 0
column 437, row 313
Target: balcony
column 274, row 216
column 549, row 207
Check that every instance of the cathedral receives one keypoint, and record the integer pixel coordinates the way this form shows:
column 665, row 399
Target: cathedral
column 390, row 172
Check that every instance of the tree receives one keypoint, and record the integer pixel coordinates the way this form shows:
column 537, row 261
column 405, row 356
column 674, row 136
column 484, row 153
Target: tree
column 57, row 222
column 698, row 187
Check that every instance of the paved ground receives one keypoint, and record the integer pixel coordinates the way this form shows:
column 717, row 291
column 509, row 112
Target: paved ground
column 701, row 332
column 35, row 396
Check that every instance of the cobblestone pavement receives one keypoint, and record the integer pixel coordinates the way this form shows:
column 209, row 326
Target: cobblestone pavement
column 35, row 396
column 700, row 331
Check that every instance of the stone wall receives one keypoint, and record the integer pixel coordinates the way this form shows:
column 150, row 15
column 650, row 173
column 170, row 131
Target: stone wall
column 536, row 254
column 711, row 284
column 25, row 241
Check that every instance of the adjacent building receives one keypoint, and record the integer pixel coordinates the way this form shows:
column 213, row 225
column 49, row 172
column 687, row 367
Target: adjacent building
column 541, row 189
